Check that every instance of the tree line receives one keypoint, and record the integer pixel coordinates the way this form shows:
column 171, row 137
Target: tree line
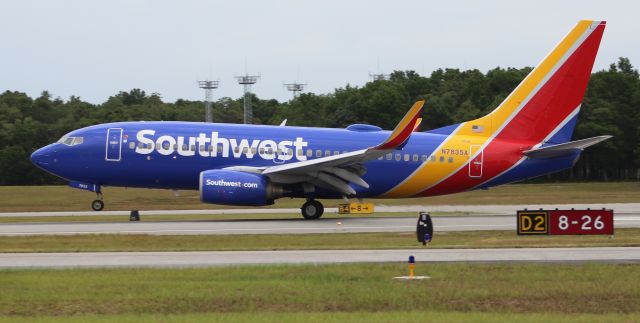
column 611, row 106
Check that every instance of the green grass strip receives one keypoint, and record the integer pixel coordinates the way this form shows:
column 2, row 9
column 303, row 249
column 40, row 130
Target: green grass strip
column 392, row 240
column 355, row 291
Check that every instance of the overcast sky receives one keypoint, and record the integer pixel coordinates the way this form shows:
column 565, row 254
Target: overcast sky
column 93, row 49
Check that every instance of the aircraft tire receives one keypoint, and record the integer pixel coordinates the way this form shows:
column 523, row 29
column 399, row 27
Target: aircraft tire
column 312, row 210
column 97, row 205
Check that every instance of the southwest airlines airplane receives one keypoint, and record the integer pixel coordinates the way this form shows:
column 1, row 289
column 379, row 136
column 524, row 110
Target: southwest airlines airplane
column 527, row 135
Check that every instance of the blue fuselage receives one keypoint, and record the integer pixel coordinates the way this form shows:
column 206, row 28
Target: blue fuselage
column 171, row 155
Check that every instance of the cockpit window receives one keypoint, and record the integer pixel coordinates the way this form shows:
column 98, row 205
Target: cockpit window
column 71, row 141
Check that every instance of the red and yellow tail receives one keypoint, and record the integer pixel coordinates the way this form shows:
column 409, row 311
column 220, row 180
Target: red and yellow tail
column 547, row 99
column 549, row 94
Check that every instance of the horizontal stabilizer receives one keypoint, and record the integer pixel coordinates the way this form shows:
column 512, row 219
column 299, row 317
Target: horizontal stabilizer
column 564, row 149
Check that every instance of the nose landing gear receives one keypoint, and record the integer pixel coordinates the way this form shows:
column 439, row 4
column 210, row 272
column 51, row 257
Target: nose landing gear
column 312, row 210
column 97, row 204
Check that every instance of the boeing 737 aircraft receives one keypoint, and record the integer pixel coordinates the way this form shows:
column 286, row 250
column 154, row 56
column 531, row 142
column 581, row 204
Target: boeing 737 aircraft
column 527, row 135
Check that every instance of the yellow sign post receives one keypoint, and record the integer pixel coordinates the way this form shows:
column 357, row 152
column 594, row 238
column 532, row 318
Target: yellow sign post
column 356, row 208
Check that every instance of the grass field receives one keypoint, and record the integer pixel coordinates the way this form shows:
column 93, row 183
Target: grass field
column 63, row 198
column 355, row 292
column 468, row 239
column 329, row 317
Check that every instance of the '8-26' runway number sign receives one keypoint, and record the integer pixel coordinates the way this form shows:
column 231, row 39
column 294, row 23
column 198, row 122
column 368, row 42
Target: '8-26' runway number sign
column 565, row 222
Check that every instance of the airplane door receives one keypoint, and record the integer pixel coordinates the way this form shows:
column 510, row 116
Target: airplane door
column 282, row 155
column 114, row 144
column 279, row 156
column 475, row 165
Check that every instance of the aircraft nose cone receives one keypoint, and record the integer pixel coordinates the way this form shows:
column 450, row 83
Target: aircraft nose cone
column 38, row 157
column 42, row 157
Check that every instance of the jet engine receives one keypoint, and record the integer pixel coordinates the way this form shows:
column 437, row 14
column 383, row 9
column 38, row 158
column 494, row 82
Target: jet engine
column 237, row 188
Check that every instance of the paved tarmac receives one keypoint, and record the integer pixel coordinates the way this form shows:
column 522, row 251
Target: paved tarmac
column 231, row 258
column 278, row 226
column 510, row 209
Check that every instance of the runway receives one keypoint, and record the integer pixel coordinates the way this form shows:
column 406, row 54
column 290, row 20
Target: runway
column 277, row 226
column 491, row 209
column 231, row 258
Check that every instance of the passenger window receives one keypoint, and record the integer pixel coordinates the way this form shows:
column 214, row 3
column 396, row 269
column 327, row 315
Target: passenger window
column 318, row 153
column 450, row 160
column 407, row 157
column 245, row 150
column 309, row 153
column 442, row 159
column 433, row 158
column 132, row 145
column 327, row 152
column 398, row 157
column 141, row 145
column 254, row 150
column 210, row 148
column 423, row 158
column 415, row 158
column 193, row 147
column 202, row 148
column 236, row 150
column 389, row 156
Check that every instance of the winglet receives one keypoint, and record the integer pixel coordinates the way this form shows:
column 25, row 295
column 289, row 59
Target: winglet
column 417, row 126
column 404, row 128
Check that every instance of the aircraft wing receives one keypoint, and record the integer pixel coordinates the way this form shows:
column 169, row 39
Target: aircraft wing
column 337, row 171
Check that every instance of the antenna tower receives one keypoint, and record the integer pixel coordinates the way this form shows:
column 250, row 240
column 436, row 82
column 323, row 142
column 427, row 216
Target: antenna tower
column 379, row 77
column 247, row 81
column 295, row 87
column 208, row 87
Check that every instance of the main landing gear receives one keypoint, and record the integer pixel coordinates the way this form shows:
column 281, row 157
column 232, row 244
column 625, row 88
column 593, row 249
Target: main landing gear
column 312, row 209
column 97, row 204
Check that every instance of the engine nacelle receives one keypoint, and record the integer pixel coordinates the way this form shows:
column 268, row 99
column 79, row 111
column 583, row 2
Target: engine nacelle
column 237, row 188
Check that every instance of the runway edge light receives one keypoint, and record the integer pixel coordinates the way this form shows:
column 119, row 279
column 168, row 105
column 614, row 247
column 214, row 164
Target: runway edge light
column 412, row 276
column 412, row 266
